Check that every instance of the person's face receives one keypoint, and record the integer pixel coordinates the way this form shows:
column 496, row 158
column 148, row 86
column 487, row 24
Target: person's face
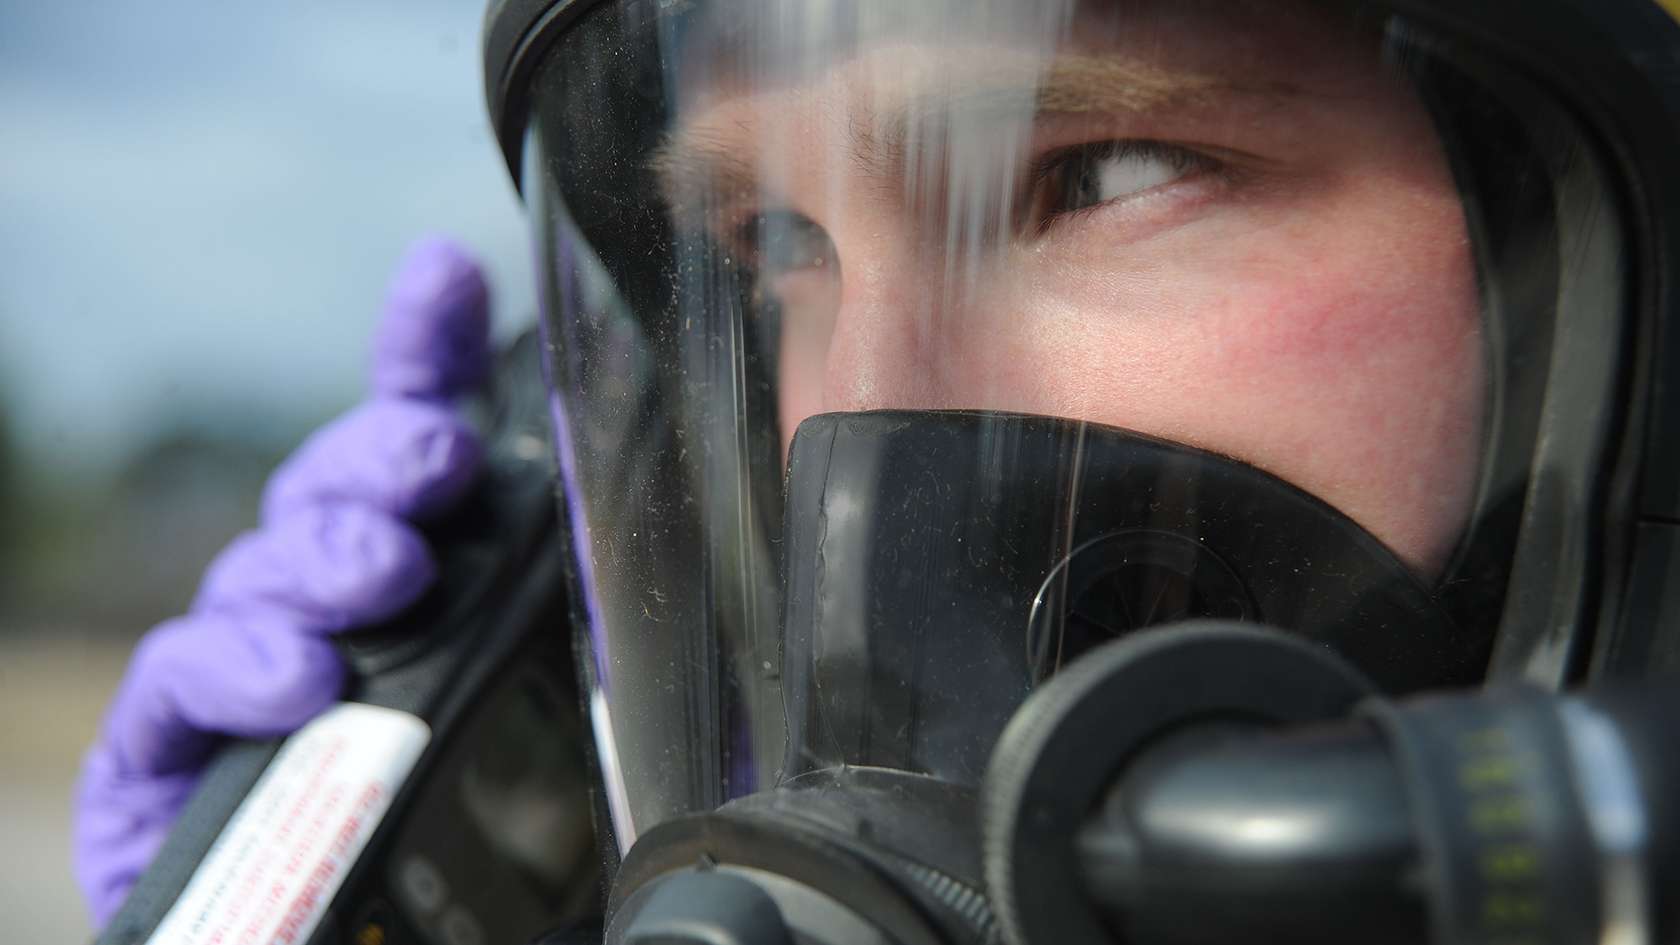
column 1237, row 231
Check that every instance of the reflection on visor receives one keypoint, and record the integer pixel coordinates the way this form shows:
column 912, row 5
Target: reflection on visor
column 1150, row 249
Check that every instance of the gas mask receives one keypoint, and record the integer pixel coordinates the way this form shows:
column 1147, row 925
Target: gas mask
column 974, row 417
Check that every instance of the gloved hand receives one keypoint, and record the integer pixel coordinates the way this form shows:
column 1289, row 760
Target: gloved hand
column 335, row 550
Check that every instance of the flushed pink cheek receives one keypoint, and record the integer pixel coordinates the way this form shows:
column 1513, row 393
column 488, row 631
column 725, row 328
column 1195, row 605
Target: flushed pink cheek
column 1349, row 368
column 1361, row 382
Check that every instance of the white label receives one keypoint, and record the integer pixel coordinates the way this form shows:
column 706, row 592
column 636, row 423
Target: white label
column 282, row 856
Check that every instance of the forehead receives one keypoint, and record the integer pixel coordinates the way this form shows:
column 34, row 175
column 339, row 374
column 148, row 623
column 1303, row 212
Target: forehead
column 774, row 82
column 734, row 45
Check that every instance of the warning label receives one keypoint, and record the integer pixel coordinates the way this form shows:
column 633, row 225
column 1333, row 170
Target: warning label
column 271, row 874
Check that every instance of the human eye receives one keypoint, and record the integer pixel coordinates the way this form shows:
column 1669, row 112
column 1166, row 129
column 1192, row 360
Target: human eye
column 789, row 261
column 1085, row 177
column 782, row 242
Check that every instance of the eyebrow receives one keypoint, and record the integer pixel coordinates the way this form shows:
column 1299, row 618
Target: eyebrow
column 1087, row 83
column 691, row 164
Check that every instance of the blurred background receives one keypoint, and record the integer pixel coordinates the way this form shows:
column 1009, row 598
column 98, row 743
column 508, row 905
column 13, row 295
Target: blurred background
column 199, row 206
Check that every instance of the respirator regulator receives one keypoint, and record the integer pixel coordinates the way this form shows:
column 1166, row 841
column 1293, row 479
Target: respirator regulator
column 1207, row 816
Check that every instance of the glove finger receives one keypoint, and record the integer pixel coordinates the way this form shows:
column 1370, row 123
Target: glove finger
column 251, row 672
column 334, row 565
column 433, row 340
column 406, row 457
column 121, row 822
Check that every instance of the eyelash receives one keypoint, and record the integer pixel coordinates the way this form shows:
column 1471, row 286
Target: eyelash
column 1041, row 173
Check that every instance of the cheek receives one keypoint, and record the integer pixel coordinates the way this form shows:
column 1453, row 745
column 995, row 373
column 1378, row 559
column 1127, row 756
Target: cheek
column 1349, row 367
column 1369, row 382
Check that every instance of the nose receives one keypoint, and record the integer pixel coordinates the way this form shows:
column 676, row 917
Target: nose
column 901, row 317
column 882, row 347
column 861, row 335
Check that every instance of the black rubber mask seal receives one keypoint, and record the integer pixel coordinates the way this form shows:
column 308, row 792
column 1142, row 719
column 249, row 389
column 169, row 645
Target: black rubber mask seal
column 940, row 564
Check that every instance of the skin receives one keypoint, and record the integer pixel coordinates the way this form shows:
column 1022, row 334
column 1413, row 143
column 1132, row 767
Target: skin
column 1298, row 294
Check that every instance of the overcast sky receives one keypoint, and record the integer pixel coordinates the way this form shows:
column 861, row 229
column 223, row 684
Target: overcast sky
column 200, row 203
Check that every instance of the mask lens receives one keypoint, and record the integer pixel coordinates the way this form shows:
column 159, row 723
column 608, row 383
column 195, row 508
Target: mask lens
column 903, row 352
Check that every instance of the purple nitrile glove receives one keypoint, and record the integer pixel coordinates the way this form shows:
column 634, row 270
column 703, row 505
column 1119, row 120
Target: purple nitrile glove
column 335, row 550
